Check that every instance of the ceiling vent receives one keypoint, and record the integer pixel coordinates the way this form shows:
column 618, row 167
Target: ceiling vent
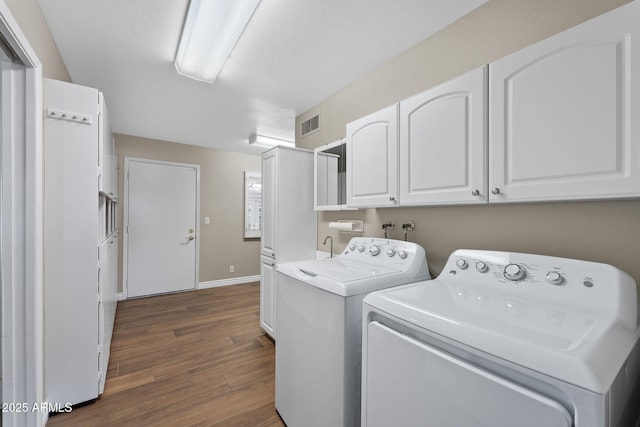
column 310, row 125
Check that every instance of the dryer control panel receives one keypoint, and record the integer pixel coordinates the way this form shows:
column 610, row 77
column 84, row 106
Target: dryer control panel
column 557, row 281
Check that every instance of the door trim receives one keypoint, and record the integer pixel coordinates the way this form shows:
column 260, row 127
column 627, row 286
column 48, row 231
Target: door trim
column 125, row 218
column 23, row 291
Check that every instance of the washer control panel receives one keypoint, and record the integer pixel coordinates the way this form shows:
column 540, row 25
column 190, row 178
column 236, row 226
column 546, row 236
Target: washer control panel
column 384, row 251
column 527, row 276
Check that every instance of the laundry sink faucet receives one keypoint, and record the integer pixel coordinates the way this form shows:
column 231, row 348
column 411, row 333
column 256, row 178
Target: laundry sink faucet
column 325, row 242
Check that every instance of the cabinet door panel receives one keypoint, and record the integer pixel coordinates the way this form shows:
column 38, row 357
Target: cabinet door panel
column 443, row 142
column 269, row 214
column 268, row 296
column 372, row 156
column 561, row 124
column 371, row 178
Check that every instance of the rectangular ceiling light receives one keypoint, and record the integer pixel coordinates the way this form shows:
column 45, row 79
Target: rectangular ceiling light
column 267, row 142
column 210, row 32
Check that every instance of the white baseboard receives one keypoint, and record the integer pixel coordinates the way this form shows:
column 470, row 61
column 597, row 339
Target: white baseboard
column 228, row 282
column 119, row 296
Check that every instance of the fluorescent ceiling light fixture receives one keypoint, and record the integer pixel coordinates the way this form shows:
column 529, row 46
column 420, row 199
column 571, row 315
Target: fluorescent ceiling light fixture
column 211, row 30
column 267, row 142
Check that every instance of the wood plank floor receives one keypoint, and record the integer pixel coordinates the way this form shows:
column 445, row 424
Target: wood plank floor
column 190, row 359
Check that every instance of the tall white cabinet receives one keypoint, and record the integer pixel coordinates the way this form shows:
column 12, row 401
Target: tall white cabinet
column 80, row 242
column 564, row 114
column 289, row 226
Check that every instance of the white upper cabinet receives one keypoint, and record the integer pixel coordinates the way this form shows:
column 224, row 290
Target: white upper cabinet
column 372, row 159
column 443, row 139
column 561, row 123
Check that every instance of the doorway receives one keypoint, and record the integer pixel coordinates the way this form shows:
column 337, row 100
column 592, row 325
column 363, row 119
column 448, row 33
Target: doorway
column 161, row 227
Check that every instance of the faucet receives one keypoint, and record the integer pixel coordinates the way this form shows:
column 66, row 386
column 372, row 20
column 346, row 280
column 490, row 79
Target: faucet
column 387, row 225
column 325, row 242
column 408, row 227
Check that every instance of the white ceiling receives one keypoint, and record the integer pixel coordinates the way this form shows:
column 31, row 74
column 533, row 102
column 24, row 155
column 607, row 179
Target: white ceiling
column 292, row 55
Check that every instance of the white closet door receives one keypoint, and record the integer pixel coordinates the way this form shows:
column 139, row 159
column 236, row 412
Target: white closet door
column 410, row 383
column 161, row 227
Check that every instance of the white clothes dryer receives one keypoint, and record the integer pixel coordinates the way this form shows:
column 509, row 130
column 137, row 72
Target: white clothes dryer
column 319, row 323
column 504, row 339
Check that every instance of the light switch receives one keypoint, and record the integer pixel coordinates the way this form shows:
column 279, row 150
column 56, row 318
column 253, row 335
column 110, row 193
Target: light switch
column 207, row 220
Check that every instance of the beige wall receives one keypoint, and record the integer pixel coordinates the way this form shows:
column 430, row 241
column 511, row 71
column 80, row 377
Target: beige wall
column 222, row 242
column 29, row 17
column 606, row 232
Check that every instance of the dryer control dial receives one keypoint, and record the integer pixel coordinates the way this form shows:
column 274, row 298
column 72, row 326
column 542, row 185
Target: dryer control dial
column 462, row 264
column 402, row 254
column 514, row 272
column 374, row 250
column 361, row 248
column 391, row 252
column 352, row 247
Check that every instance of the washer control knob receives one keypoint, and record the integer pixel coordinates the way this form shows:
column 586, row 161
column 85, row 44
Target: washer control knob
column 514, row 272
column 352, row 247
column 553, row 278
column 402, row 254
column 481, row 266
column 361, row 248
column 374, row 250
column 391, row 252
column 462, row 264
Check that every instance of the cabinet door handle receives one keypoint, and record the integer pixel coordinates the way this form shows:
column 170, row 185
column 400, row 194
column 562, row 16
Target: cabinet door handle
column 475, row 192
column 495, row 191
column 392, row 199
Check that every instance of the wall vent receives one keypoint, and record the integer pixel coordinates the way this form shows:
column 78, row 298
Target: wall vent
column 310, row 125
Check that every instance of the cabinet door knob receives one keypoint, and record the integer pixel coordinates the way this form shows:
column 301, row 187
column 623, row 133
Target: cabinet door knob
column 475, row 192
column 393, row 199
column 495, row 190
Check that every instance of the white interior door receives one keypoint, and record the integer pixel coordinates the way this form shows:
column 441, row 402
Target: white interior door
column 160, row 226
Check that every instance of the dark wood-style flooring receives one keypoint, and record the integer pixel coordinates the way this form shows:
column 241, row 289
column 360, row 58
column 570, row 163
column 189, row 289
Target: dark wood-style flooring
column 189, row 359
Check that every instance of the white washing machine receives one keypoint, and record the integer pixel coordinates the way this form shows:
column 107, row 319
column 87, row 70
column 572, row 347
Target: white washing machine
column 504, row 339
column 319, row 324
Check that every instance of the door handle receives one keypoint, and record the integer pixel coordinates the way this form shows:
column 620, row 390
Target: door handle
column 190, row 238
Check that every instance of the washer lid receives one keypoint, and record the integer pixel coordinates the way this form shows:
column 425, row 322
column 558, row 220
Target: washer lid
column 582, row 347
column 345, row 277
column 343, row 270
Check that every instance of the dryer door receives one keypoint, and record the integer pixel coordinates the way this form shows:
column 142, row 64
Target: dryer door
column 410, row 383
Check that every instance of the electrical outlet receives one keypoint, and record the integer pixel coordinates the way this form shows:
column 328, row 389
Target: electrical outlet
column 232, row 268
column 207, row 220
